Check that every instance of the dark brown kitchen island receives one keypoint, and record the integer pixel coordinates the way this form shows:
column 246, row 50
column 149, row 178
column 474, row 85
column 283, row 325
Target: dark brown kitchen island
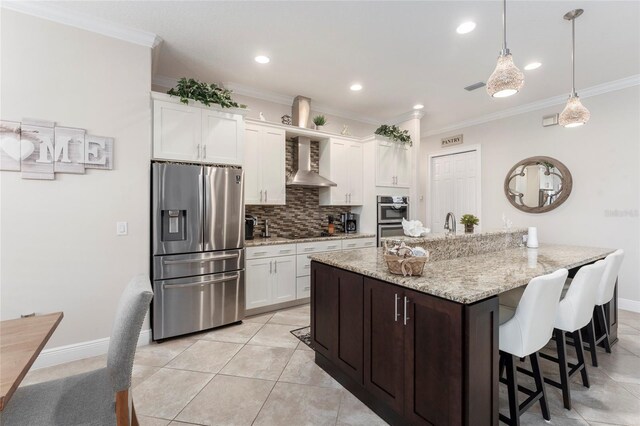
column 423, row 350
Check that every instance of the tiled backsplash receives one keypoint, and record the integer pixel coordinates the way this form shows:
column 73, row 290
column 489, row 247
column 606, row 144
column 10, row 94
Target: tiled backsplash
column 302, row 215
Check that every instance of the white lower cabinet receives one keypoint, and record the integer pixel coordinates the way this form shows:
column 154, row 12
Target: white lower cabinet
column 270, row 280
column 281, row 273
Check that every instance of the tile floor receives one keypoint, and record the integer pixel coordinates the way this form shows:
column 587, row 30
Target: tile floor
column 258, row 373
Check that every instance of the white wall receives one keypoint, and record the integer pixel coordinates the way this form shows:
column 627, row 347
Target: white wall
column 604, row 158
column 59, row 249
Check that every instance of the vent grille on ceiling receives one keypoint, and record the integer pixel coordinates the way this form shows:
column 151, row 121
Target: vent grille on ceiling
column 474, row 86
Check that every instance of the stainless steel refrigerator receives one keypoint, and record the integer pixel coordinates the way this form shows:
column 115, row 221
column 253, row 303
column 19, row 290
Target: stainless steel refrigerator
column 197, row 248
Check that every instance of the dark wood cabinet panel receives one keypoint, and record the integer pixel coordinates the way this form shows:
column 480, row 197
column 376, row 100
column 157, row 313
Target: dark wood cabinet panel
column 324, row 309
column 433, row 366
column 350, row 350
column 383, row 342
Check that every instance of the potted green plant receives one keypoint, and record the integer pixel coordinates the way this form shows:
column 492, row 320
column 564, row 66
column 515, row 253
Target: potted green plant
column 394, row 133
column 190, row 88
column 469, row 221
column 319, row 121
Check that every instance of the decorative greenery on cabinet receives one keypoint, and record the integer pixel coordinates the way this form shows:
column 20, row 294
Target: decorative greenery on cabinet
column 394, row 133
column 190, row 88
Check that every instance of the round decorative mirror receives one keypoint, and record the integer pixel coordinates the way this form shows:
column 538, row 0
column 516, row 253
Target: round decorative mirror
column 538, row 184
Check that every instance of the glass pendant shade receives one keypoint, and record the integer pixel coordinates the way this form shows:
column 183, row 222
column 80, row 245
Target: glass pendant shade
column 506, row 79
column 574, row 113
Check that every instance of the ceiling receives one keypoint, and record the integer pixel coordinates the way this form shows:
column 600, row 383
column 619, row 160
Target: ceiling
column 403, row 53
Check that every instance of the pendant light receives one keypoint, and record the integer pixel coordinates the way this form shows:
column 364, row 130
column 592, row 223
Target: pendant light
column 506, row 79
column 574, row 114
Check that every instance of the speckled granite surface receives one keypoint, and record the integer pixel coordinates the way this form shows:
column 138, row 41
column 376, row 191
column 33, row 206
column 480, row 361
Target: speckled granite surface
column 445, row 246
column 469, row 279
column 282, row 240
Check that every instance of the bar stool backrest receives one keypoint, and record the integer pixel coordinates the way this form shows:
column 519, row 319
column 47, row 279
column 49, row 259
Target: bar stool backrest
column 608, row 282
column 576, row 308
column 532, row 324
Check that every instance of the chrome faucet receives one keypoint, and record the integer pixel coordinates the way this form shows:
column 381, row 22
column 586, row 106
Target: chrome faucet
column 450, row 227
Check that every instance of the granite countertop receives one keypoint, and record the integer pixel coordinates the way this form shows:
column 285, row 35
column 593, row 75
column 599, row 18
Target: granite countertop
column 473, row 278
column 447, row 236
column 282, row 240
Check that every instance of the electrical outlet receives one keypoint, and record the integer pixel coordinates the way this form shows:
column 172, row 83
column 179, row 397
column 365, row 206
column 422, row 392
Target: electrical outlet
column 122, row 228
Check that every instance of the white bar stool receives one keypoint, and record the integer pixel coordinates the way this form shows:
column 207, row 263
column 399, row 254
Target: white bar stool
column 575, row 311
column 604, row 295
column 524, row 334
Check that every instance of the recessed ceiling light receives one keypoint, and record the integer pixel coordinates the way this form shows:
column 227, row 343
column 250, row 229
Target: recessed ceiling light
column 418, row 106
column 532, row 66
column 261, row 59
column 466, row 27
column 356, row 87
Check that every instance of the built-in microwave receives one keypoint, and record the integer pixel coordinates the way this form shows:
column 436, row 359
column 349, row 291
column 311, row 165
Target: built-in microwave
column 392, row 209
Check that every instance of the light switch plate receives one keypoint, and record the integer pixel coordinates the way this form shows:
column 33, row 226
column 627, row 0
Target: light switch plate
column 122, row 228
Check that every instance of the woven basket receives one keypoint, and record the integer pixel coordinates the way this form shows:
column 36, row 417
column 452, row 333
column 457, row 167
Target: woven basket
column 408, row 266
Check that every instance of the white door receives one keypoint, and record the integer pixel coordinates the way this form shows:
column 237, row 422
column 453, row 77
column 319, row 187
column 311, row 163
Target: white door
column 284, row 283
column 259, row 279
column 454, row 188
column 252, row 185
column 403, row 166
column 355, row 168
column 385, row 163
column 222, row 137
column 272, row 157
column 176, row 131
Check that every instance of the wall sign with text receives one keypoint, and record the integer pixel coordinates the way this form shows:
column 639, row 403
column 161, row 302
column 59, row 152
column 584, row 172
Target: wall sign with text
column 452, row 140
column 39, row 149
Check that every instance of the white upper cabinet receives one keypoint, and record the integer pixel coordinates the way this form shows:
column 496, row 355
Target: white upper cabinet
column 341, row 161
column 222, row 137
column 177, row 131
column 196, row 133
column 264, row 165
column 393, row 163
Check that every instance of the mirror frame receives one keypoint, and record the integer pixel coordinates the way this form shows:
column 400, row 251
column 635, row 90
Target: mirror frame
column 565, row 175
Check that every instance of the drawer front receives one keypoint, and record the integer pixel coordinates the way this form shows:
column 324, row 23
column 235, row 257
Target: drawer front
column 356, row 243
column 270, row 251
column 303, row 265
column 304, row 287
column 209, row 301
column 184, row 265
column 319, row 246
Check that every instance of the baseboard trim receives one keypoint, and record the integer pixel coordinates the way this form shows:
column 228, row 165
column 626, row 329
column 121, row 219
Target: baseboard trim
column 629, row 305
column 77, row 351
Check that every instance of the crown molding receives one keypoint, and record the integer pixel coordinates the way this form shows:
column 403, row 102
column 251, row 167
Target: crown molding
column 85, row 22
column 264, row 95
column 599, row 89
column 406, row 117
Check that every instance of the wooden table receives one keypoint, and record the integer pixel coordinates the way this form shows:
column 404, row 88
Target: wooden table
column 21, row 341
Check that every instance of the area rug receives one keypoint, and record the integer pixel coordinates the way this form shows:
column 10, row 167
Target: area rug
column 304, row 335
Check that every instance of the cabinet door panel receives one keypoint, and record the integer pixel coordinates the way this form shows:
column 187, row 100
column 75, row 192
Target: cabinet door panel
column 324, row 309
column 272, row 155
column 339, row 173
column 176, row 131
column 284, row 283
column 252, row 184
column 386, row 163
column 383, row 342
column 355, row 168
column 433, row 363
column 350, row 350
column 403, row 166
column 258, row 282
column 222, row 137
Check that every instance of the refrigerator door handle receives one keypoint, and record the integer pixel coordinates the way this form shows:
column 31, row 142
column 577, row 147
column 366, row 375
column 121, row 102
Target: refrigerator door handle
column 208, row 259
column 202, row 284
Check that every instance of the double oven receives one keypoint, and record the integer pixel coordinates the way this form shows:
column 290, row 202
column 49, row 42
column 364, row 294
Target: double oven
column 391, row 211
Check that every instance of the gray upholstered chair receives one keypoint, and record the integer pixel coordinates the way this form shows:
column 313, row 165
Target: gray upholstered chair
column 99, row 397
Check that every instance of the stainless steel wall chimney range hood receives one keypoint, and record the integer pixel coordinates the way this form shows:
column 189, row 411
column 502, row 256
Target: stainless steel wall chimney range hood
column 305, row 177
